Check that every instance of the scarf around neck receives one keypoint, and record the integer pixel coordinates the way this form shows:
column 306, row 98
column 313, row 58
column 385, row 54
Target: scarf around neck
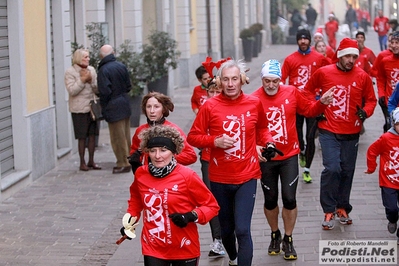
column 162, row 171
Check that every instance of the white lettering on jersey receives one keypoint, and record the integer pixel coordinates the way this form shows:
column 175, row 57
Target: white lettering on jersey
column 153, row 215
column 394, row 77
column 232, row 128
column 303, row 76
column 392, row 166
column 341, row 102
column 277, row 123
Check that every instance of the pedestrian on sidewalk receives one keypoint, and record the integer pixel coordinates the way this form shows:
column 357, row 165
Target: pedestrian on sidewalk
column 298, row 67
column 354, row 101
column 281, row 104
column 387, row 148
column 81, row 84
column 156, row 107
column 311, row 17
column 172, row 198
column 231, row 124
column 351, row 20
column 113, row 85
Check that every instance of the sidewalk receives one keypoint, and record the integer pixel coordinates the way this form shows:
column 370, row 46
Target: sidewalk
column 69, row 217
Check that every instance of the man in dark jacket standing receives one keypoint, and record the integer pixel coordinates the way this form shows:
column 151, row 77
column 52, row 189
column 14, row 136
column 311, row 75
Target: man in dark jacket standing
column 113, row 84
column 311, row 16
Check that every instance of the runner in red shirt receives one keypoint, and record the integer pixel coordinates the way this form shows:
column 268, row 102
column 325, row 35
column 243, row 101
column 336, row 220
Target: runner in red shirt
column 156, row 107
column 231, row 124
column 366, row 56
column 318, row 36
column 217, row 249
column 199, row 93
column 380, row 56
column 320, row 47
column 331, row 28
column 387, row 147
column 171, row 198
column 281, row 104
column 298, row 67
column 354, row 101
column 388, row 76
column 381, row 26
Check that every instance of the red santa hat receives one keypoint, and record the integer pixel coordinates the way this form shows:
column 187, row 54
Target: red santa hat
column 319, row 32
column 347, row 46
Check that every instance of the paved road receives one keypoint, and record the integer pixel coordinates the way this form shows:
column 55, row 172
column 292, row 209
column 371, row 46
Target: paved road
column 69, row 217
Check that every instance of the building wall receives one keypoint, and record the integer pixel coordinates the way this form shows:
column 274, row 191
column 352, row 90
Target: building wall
column 37, row 89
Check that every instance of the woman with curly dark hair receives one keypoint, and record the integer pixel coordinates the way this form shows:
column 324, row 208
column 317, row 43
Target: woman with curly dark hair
column 173, row 199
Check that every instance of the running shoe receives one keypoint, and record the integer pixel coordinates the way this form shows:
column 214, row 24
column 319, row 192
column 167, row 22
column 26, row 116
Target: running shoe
column 392, row 227
column 302, row 159
column 306, row 177
column 288, row 248
column 329, row 221
column 274, row 247
column 233, row 262
column 217, row 249
column 343, row 216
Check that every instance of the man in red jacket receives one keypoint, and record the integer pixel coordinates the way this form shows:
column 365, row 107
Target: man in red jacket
column 298, row 67
column 281, row 104
column 231, row 124
column 354, row 101
column 366, row 56
column 388, row 76
column 381, row 26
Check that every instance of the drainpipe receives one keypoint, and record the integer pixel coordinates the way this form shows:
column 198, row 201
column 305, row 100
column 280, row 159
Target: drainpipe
column 208, row 27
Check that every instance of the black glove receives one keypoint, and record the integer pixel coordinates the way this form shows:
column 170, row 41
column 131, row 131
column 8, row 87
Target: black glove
column 361, row 113
column 381, row 101
column 182, row 219
column 134, row 160
column 321, row 117
column 270, row 151
column 124, row 234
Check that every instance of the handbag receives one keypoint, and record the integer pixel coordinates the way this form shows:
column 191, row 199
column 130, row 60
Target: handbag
column 95, row 110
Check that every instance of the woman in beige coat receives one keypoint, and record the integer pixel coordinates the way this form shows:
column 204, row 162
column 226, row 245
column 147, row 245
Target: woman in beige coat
column 81, row 84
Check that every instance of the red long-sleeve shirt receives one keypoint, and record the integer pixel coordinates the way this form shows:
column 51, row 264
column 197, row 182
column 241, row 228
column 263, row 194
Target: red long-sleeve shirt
column 381, row 25
column 281, row 110
column 366, row 59
column 198, row 97
column 387, row 75
column 352, row 87
column 380, row 56
column 298, row 67
column 387, row 147
column 242, row 119
column 179, row 192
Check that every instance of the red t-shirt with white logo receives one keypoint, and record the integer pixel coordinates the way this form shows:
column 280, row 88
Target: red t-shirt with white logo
column 351, row 88
column 298, row 67
column 179, row 192
column 281, row 110
column 387, row 147
column 242, row 119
